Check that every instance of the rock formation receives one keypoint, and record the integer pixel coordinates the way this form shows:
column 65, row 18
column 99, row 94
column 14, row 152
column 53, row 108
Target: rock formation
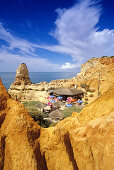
column 92, row 68
column 96, row 71
column 81, row 142
column 89, row 75
column 22, row 76
column 23, row 90
column 17, row 134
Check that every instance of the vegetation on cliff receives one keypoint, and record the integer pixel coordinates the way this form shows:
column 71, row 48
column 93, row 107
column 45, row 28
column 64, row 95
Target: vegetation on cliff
column 82, row 141
column 39, row 116
column 36, row 114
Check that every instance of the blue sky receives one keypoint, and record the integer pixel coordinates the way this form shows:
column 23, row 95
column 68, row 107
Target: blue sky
column 54, row 35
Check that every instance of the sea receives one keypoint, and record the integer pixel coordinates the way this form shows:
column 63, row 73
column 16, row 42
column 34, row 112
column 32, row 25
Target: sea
column 36, row 77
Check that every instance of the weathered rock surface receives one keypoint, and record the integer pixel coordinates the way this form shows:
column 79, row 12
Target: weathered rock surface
column 17, row 135
column 81, row 142
column 89, row 75
column 96, row 71
column 24, row 90
column 22, row 75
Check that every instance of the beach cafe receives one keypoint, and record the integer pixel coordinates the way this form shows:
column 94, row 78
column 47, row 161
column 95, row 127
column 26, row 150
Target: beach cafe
column 67, row 92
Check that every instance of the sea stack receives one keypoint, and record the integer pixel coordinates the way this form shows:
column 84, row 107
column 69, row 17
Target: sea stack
column 23, row 89
column 22, row 76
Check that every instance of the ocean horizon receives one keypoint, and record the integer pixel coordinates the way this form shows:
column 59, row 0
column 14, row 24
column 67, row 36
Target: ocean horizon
column 36, row 77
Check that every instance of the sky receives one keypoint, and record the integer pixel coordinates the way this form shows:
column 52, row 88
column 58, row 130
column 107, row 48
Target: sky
column 54, row 35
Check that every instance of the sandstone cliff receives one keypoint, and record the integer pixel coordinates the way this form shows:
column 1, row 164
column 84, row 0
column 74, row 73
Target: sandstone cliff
column 95, row 69
column 92, row 68
column 96, row 72
column 24, row 90
column 81, row 142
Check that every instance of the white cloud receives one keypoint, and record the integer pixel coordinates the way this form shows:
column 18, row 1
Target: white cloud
column 10, row 62
column 26, row 54
column 69, row 66
column 78, row 35
column 74, row 25
column 23, row 45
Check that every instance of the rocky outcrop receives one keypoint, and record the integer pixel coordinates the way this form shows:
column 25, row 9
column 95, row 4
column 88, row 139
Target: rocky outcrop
column 17, row 135
column 22, row 76
column 81, row 142
column 3, row 96
column 23, row 90
column 94, row 70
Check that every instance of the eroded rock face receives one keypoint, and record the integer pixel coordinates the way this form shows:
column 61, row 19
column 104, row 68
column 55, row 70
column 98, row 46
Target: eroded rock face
column 92, row 68
column 23, row 90
column 17, row 135
column 96, row 71
column 3, row 96
column 22, row 76
column 89, row 75
column 81, row 142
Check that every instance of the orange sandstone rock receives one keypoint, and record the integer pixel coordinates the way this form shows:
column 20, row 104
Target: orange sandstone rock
column 81, row 142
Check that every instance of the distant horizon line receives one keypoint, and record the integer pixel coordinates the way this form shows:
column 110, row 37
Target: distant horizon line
column 39, row 72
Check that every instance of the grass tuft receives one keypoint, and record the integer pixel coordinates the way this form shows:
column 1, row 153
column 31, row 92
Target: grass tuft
column 67, row 112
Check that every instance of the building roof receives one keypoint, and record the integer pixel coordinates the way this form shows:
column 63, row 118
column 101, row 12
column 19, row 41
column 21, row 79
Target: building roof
column 67, row 91
column 55, row 114
column 40, row 105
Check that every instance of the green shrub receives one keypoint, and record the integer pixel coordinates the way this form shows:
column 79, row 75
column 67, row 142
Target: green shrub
column 36, row 114
column 38, row 117
column 99, row 93
column 67, row 112
column 32, row 103
column 91, row 95
column 92, row 90
column 86, row 99
column 42, row 122
column 87, row 89
column 103, row 56
column 53, row 124
column 86, row 103
column 84, row 86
